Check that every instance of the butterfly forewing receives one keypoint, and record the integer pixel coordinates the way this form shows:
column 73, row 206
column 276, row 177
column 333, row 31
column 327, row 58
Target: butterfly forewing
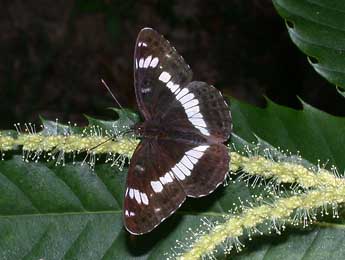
column 156, row 63
column 163, row 172
column 165, row 92
column 152, row 194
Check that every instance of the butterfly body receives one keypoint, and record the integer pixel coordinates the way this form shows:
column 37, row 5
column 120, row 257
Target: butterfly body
column 153, row 130
column 181, row 153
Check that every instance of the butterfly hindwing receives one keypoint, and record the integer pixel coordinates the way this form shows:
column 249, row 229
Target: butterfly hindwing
column 201, row 109
column 199, row 168
column 156, row 63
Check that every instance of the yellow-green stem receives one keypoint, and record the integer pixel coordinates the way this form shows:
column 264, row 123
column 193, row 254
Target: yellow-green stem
column 69, row 143
column 282, row 209
column 284, row 172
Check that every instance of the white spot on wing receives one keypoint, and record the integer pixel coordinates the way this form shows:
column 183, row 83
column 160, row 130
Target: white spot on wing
column 197, row 115
column 156, row 186
column 191, row 103
column 190, row 114
column 141, row 63
column 177, row 91
column 172, row 86
column 137, row 196
column 154, row 62
column 142, row 44
column 201, row 148
column 144, row 198
column 202, row 130
column 186, row 98
column 178, row 173
column 147, row 61
column 193, row 110
column 197, row 122
column 183, row 169
column 131, row 193
column 165, row 77
column 182, row 93
column 187, row 162
column 145, row 90
column 192, row 159
column 162, row 180
column 195, row 154
column 186, row 165
column 168, row 177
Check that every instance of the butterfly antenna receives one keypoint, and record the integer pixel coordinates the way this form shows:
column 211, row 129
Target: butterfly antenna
column 111, row 93
column 113, row 96
column 98, row 145
column 110, row 138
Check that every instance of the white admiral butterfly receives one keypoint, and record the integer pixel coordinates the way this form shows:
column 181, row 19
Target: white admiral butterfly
column 181, row 153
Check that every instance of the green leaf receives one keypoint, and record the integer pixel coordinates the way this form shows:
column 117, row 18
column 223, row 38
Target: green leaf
column 316, row 135
column 53, row 212
column 317, row 28
column 313, row 133
column 72, row 212
column 324, row 241
column 11, row 133
column 56, row 128
column 126, row 120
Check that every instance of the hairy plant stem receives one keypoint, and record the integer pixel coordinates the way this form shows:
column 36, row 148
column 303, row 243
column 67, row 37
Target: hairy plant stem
column 324, row 187
column 281, row 210
column 284, row 172
column 69, row 144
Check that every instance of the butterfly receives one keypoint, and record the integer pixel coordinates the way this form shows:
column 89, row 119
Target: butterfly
column 181, row 153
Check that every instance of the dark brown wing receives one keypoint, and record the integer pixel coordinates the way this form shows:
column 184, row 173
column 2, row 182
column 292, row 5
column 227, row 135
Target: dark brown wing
column 200, row 169
column 156, row 63
column 152, row 193
column 166, row 94
column 161, row 175
column 201, row 109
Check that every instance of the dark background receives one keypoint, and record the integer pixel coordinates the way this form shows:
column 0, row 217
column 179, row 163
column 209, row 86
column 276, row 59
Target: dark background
column 53, row 54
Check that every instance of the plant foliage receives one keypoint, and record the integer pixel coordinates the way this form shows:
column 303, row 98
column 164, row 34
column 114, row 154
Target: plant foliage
column 317, row 28
column 71, row 211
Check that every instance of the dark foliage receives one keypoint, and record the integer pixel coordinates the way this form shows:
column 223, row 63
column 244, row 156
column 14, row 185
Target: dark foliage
column 53, row 54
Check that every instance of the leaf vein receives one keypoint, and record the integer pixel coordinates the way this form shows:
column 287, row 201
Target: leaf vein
column 311, row 244
column 76, row 239
column 22, row 191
